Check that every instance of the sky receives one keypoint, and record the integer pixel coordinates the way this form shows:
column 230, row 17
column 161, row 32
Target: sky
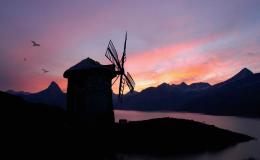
column 170, row 41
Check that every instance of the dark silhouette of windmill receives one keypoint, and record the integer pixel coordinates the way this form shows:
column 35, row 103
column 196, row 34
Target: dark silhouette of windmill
column 89, row 91
column 112, row 55
column 34, row 44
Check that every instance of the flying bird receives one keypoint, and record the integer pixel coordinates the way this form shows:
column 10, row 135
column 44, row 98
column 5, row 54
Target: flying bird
column 45, row 71
column 34, row 44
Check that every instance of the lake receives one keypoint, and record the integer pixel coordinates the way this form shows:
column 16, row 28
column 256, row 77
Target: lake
column 249, row 126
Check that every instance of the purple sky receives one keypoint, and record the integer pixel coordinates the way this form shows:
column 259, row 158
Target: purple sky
column 168, row 41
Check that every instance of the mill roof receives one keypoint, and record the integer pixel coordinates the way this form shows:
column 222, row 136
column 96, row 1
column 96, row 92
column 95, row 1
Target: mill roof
column 89, row 65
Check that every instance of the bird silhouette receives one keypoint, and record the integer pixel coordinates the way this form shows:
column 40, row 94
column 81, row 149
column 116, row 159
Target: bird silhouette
column 45, row 71
column 34, row 44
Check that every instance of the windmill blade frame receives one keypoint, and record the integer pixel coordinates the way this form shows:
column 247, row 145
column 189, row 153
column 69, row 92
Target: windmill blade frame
column 111, row 54
column 115, row 80
column 123, row 58
column 121, row 86
column 130, row 81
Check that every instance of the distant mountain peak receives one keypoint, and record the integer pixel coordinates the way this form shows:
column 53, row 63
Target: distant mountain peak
column 53, row 84
column 246, row 71
column 164, row 85
column 54, row 87
column 183, row 84
column 243, row 74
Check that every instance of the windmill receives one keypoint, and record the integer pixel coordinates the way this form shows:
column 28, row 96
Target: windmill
column 124, row 78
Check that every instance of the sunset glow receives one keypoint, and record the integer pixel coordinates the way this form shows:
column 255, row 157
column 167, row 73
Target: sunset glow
column 191, row 41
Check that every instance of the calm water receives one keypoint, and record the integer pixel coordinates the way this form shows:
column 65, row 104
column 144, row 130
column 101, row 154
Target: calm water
column 241, row 151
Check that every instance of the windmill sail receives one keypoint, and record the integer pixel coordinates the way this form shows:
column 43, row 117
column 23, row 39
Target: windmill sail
column 111, row 54
column 130, row 81
column 121, row 86
column 124, row 52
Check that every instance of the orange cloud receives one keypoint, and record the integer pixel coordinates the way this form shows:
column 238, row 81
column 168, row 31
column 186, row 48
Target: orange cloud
column 172, row 64
column 180, row 63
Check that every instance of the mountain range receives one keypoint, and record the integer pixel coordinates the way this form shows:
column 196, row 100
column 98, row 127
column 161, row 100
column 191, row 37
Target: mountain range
column 52, row 95
column 239, row 95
